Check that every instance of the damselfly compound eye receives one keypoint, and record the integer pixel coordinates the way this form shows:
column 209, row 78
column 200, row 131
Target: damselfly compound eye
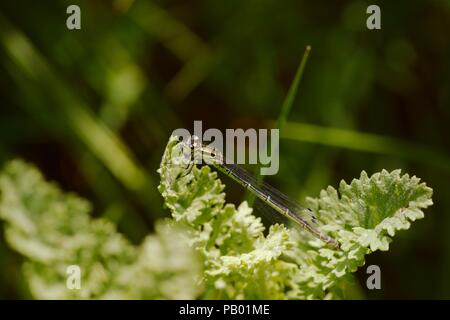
column 194, row 141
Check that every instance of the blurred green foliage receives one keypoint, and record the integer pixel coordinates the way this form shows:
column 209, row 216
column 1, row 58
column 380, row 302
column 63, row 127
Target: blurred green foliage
column 93, row 108
column 53, row 230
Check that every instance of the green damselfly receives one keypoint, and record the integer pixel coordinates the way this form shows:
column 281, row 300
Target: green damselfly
column 270, row 196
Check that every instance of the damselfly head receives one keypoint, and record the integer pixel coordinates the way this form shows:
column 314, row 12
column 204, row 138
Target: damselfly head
column 193, row 146
column 194, row 142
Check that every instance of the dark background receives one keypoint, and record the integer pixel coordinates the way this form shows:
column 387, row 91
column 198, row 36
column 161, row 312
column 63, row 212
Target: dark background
column 94, row 108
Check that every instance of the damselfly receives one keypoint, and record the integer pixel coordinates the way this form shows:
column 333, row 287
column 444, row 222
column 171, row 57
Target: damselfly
column 263, row 191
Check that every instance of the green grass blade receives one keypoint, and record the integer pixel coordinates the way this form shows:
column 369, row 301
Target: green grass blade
column 292, row 93
column 285, row 109
column 366, row 142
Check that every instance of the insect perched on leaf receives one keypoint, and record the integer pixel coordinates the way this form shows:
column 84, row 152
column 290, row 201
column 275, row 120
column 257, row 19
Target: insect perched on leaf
column 267, row 194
